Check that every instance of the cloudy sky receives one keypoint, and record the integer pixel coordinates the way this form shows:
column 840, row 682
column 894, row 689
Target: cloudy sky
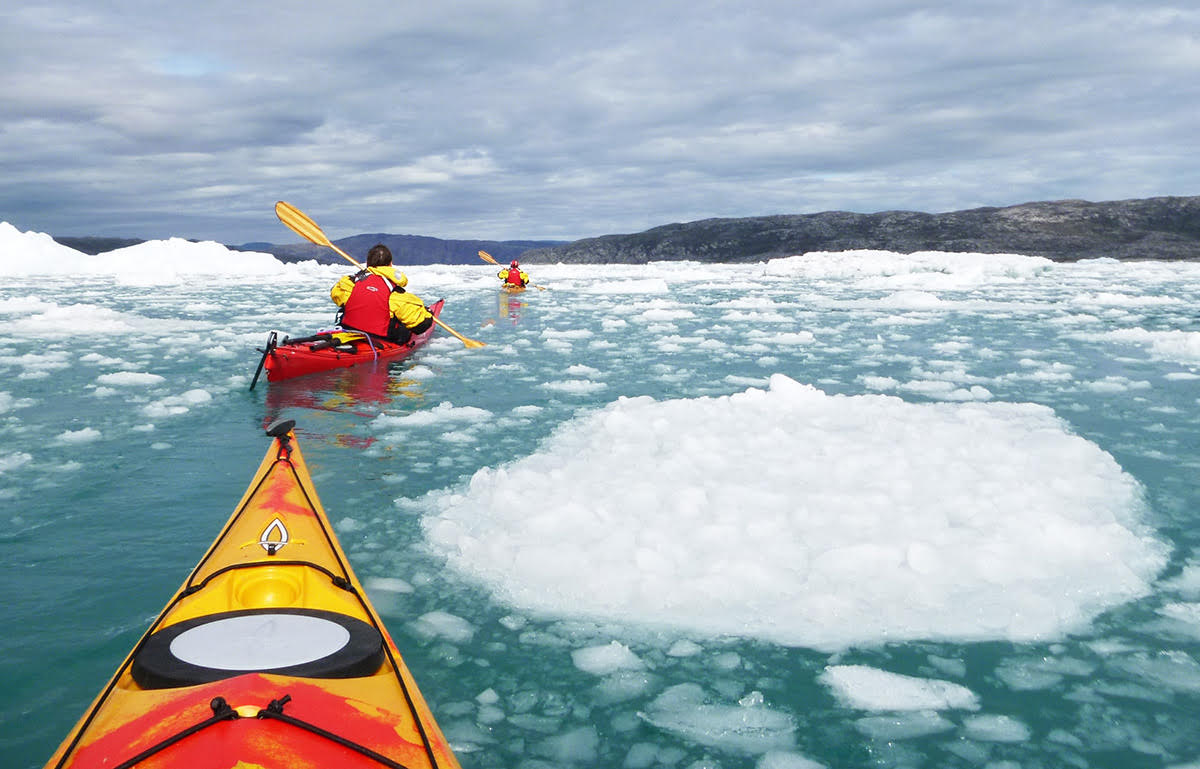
column 563, row 119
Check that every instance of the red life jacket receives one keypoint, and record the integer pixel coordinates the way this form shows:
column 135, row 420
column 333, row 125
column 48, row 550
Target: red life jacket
column 514, row 276
column 367, row 307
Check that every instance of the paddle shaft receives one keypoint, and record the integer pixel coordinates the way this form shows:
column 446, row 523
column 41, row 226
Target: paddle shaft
column 298, row 222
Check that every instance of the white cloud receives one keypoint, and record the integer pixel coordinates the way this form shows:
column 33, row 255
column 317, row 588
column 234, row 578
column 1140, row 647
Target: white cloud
column 402, row 120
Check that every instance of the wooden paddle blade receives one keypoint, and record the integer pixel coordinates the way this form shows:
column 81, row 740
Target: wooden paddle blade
column 299, row 223
column 485, row 256
column 306, row 228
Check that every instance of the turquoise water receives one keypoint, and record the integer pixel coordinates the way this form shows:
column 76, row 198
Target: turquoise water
column 129, row 433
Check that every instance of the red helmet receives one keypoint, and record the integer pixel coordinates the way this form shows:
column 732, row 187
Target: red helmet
column 514, row 263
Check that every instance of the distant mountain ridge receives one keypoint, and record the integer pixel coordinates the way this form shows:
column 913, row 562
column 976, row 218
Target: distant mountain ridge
column 1166, row 228
column 406, row 249
column 95, row 245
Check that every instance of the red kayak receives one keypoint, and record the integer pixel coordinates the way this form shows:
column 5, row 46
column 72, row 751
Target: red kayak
column 329, row 350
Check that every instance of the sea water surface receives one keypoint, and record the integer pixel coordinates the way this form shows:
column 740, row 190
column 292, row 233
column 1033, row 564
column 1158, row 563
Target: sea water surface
column 836, row 510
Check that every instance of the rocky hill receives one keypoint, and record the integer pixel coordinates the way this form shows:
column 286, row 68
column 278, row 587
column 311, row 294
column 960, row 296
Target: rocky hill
column 406, row 249
column 1166, row 228
column 1150, row 228
column 97, row 245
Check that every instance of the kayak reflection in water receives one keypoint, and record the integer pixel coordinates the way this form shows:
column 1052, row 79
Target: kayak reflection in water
column 374, row 301
column 510, row 306
column 362, row 391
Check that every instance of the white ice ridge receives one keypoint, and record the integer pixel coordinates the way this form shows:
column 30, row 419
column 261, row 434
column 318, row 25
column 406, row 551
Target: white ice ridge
column 154, row 261
column 808, row 519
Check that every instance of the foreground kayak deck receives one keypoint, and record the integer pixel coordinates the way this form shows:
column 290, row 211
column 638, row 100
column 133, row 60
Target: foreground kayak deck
column 270, row 655
column 293, row 359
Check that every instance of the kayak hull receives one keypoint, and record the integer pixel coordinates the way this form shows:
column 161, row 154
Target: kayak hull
column 269, row 655
column 290, row 360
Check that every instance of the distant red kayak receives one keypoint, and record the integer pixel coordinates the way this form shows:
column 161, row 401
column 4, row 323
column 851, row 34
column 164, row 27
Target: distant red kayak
column 322, row 352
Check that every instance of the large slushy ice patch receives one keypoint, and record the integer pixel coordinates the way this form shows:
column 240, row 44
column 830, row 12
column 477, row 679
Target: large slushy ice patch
column 808, row 519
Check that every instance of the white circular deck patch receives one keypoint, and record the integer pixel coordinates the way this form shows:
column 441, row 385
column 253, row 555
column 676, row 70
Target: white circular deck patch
column 260, row 642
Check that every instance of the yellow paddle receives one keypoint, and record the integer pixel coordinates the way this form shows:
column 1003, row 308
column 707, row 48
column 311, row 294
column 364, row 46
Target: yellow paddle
column 485, row 256
column 306, row 228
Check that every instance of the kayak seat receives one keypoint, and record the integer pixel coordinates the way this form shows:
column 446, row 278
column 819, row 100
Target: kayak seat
column 308, row 643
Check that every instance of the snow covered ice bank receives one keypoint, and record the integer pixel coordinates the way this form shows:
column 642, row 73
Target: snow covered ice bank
column 808, row 519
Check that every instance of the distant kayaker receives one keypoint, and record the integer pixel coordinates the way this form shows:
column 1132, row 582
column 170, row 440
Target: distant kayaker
column 374, row 300
column 514, row 276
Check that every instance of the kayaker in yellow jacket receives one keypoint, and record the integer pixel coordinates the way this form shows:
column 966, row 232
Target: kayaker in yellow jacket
column 514, row 275
column 374, row 300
